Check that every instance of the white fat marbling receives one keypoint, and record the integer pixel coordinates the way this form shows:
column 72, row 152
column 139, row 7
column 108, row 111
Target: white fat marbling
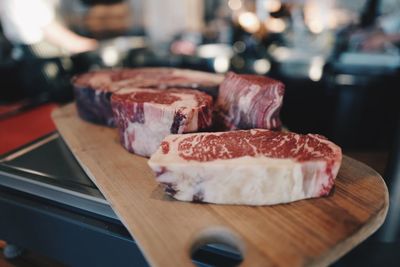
column 275, row 105
column 145, row 138
column 244, row 180
column 247, row 99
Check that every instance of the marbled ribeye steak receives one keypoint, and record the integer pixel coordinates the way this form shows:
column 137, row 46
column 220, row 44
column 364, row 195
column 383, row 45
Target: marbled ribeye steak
column 253, row 167
column 144, row 117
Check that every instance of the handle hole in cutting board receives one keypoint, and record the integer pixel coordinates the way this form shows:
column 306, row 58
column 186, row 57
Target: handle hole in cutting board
column 217, row 247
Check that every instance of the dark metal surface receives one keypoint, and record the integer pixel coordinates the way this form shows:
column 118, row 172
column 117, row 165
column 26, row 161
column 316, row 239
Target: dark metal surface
column 51, row 160
column 68, row 236
column 47, row 169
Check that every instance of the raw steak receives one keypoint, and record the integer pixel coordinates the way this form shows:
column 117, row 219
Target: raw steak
column 145, row 117
column 250, row 101
column 92, row 95
column 253, row 167
column 93, row 89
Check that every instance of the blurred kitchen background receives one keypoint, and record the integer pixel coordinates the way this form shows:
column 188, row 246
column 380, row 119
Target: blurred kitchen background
column 340, row 60
column 335, row 57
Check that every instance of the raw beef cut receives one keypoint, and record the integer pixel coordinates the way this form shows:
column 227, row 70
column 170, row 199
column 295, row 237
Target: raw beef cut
column 94, row 89
column 253, row 167
column 93, row 102
column 250, row 101
column 144, row 117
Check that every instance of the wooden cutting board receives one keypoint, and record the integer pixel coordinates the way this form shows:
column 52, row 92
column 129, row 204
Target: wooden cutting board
column 312, row 232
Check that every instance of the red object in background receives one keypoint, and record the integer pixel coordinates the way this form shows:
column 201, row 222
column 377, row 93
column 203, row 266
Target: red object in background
column 25, row 127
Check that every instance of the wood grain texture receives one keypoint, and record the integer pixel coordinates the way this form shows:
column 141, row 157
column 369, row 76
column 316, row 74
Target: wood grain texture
column 312, row 232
